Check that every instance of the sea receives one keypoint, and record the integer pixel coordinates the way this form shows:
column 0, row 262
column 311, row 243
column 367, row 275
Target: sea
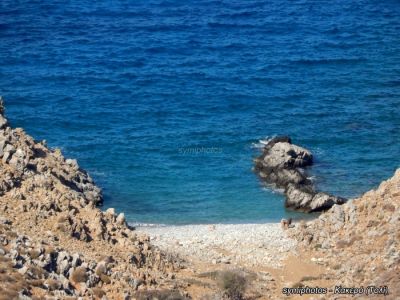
column 166, row 103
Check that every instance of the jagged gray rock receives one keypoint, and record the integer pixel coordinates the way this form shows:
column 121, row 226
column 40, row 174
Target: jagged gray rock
column 283, row 165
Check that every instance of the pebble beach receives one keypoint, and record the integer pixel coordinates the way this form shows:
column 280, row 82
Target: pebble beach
column 245, row 245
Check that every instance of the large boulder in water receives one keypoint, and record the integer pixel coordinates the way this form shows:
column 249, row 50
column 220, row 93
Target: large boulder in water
column 284, row 165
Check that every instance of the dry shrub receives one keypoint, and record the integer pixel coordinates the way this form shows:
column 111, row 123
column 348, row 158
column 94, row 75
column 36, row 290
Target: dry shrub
column 389, row 207
column 106, row 279
column 36, row 272
column 101, row 269
column 354, row 239
column 232, row 283
column 317, row 246
column 11, row 283
column 298, row 285
column 61, row 227
column 212, row 275
column 98, row 292
column 372, row 223
column 79, row 275
column 11, row 292
column 341, row 244
column 36, row 282
column 49, row 249
column 309, row 278
column 12, row 234
column 62, row 219
column 22, row 251
column 34, row 253
column 160, row 295
column 53, row 284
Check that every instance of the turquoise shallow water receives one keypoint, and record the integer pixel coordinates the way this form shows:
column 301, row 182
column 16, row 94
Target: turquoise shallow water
column 132, row 89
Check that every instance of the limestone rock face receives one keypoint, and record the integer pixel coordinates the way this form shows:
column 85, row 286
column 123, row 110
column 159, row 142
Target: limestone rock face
column 32, row 162
column 3, row 120
column 284, row 165
column 288, row 156
column 52, row 232
column 359, row 240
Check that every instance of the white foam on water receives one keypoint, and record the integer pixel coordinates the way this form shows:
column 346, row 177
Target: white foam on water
column 262, row 143
column 147, row 225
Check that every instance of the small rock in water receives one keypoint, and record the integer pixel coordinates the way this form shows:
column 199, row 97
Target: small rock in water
column 282, row 164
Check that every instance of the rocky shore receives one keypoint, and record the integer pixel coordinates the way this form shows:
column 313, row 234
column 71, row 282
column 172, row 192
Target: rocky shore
column 55, row 243
column 284, row 165
column 359, row 242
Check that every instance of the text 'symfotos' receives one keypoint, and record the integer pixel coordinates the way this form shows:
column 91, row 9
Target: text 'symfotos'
column 338, row 290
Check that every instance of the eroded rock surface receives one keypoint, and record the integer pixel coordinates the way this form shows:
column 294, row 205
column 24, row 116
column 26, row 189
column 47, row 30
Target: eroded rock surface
column 284, row 165
column 54, row 241
column 359, row 242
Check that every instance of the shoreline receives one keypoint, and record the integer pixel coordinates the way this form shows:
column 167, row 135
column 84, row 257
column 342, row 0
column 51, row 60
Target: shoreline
column 56, row 240
column 295, row 219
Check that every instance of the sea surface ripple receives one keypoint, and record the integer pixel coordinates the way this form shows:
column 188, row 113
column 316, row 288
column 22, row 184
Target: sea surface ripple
column 164, row 101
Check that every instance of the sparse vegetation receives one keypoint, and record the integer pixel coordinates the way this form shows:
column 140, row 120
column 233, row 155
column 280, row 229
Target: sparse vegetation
column 212, row 275
column 61, row 227
column 34, row 254
column 53, row 284
column 297, row 285
column 106, row 279
column 98, row 292
column 309, row 278
column 36, row 272
column 11, row 282
column 12, row 234
column 341, row 244
column 232, row 283
column 62, row 219
column 79, row 275
column 160, row 295
column 389, row 207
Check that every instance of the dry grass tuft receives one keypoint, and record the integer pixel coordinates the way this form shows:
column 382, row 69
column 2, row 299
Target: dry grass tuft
column 53, row 284
column 106, row 279
column 159, row 295
column 98, row 292
column 79, row 275
column 233, row 284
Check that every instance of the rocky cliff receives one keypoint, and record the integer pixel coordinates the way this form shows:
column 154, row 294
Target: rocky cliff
column 53, row 238
column 359, row 242
column 55, row 243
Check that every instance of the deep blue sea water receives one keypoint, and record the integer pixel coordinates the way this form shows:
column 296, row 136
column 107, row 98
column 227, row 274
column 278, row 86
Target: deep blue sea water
column 133, row 88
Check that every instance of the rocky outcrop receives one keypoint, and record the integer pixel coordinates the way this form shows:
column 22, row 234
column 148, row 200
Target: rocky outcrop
column 359, row 242
column 25, row 160
column 56, row 241
column 284, row 165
